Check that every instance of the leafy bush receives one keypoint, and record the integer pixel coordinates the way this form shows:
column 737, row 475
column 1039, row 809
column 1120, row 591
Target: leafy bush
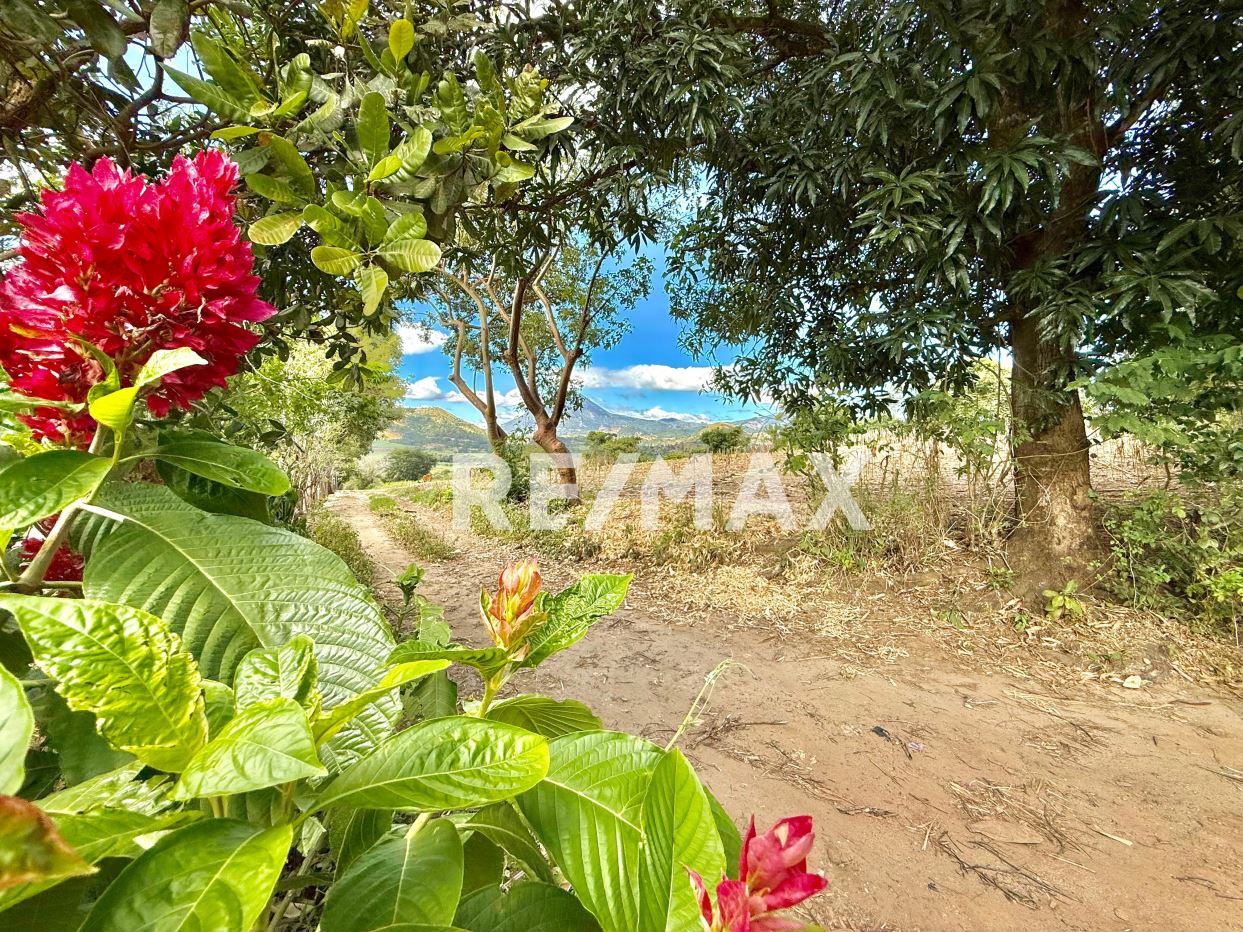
column 408, row 464
column 604, row 445
column 334, row 533
column 723, row 439
column 1178, row 553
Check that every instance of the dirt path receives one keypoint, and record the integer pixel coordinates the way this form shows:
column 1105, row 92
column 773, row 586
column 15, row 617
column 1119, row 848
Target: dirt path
column 944, row 799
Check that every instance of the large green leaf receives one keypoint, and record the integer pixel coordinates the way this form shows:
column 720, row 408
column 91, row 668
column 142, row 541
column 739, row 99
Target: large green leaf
column 334, row 719
column 353, row 831
column 679, row 834
column 287, row 671
column 17, row 725
column 43, row 484
column 275, row 229
column 212, row 496
column 123, row 665
column 236, row 80
column 587, row 814
column 572, row 611
column 116, row 789
column 551, row 718
column 208, row 94
column 372, row 282
column 501, row 824
column 217, row 875
column 170, row 23
column 336, row 260
column 530, row 906
column 373, row 127
column 229, row 585
column 268, row 744
column 447, row 763
column 81, row 751
column 226, row 463
column 31, row 849
column 411, row 255
column 487, row 660
column 412, row 877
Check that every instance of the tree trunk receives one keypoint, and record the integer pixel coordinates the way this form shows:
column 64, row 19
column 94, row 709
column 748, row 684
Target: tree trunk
column 1056, row 535
column 545, row 437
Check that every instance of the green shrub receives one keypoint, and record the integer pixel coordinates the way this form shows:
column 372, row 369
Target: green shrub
column 408, row 464
column 723, row 439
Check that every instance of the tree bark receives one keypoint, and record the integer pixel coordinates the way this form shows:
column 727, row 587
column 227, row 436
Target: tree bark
column 1056, row 534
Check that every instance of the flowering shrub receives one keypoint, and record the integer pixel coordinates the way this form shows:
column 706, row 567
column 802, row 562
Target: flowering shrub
column 248, row 738
column 128, row 267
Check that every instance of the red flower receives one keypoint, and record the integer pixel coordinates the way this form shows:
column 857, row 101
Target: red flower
column 773, row 875
column 131, row 267
column 66, row 565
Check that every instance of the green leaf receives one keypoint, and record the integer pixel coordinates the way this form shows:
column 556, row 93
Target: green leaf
column 228, row 133
column 504, row 827
column 386, row 167
column 411, row 225
column 352, row 831
column 124, row 666
column 170, row 24
column 41, row 485
column 220, row 705
column 274, row 189
column 372, row 127
column 414, row 877
column 433, row 697
column 539, row 127
column 515, row 144
column 447, row 763
column 82, row 753
column 529, row 906
column 451, row 103
column 213, row 496
column 228, row 585
column 728, row 832
column 372, row 282
column 31, row 848
column 215, row 874
column 290, row 160
column 411, row 255
column 234, row 466
column 275, row 229
column 287, row 671
column 235, row 79
column 400, row 39
column 116, row 788
column 115, row 410
column 165, row 361
column 483, row 864
column 413, row 152
column 267, row 744
column 679, row 833
column 572, row 611
column 551, row 718
column 17, row 726
column 209, row 95
column 334, row 719
column 336, row 261
column 587, row 814
column 513, row 172
column 487, row 660
column 101, row 29
column 12, row 401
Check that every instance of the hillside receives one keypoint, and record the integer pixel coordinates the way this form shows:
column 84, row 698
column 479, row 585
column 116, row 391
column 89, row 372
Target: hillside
column 435, row 430
column 594, row 416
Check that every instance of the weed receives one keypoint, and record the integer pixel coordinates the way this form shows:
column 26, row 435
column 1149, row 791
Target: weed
column 338, row 535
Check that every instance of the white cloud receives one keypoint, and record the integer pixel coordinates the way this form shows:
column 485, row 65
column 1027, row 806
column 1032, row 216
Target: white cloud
column 417, row 339
column 652, row 378
column 428, row 389
column 657, row 413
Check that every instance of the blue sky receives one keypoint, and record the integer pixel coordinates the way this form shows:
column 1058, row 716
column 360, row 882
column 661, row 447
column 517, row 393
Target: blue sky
column 647, row 373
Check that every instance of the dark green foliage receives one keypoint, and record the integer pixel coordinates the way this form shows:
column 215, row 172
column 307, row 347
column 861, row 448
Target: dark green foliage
column 338, row 535
column 407, row 464
column 722, row 438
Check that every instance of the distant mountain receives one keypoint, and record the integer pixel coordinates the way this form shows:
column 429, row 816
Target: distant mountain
column 436, row 431
column 593, row 416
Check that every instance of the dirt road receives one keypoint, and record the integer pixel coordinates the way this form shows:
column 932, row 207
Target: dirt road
column 945, row 798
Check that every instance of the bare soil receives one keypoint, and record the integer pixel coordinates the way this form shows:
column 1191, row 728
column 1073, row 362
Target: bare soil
column 948, row 792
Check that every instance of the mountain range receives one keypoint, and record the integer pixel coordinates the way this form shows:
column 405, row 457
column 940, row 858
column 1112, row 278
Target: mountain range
column 444, row 433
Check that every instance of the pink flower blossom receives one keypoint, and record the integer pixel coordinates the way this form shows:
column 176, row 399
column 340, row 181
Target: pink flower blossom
column 130, row 267
column 773, row 875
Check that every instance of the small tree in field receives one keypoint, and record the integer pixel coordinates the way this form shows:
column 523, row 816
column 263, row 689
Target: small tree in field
column 723, row 439
column 408, row 464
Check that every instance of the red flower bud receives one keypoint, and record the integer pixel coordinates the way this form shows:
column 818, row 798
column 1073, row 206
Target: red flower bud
column 510, row 614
